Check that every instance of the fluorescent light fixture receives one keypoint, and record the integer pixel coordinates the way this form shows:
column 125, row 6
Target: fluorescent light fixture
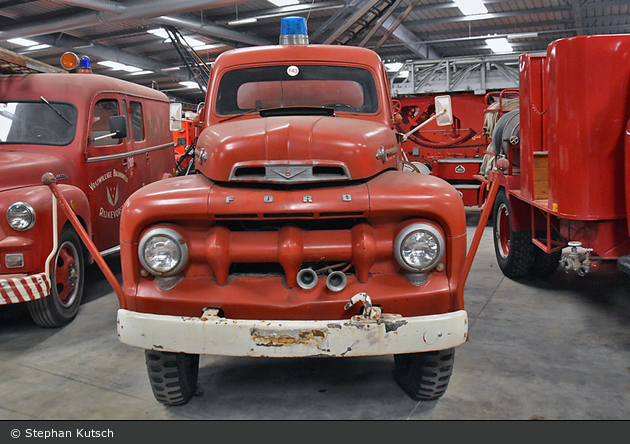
column 471, row 7
column 141, row 73
column 38, row 47
column 23, row 42
column 193, row 43
column 393, row 66
column 208, row 46
column 158, row 32
column 119, row 66
column 500, row 45
column 280, row 3
column 245, row 21
column 523, row 35
column 189, row 84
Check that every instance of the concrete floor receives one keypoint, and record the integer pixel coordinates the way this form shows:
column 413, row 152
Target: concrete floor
column 554, row 350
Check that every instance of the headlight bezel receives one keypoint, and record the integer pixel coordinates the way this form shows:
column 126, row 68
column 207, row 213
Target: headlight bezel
column 404, row 235
column 173, row 236
column 29, row 209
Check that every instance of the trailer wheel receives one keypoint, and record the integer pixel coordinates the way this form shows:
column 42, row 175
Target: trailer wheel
column 514, row 249
column 424, row 376
column 173, row 376
column 67, row 277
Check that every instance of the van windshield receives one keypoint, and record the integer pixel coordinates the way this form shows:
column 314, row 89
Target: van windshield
column 37, row 122
column 340, row 87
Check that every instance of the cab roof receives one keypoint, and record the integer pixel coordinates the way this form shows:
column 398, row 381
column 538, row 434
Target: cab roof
column 70, row 87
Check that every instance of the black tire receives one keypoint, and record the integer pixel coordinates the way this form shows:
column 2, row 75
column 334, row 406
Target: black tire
column 424, row 376
column 67, row 278
column 514, row 249
column 173, row 376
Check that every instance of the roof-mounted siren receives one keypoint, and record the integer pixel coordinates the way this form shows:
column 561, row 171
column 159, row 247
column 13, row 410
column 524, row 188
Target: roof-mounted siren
column 71, row 61
column 293, row 31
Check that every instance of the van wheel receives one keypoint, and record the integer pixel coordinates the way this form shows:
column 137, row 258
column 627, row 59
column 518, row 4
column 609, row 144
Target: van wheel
column 424, row 376
column 173, row 376
column 514, row 249
column 67, row 278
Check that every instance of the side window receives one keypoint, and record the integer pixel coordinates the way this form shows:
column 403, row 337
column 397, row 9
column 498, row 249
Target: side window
column 137, row 124
column 126, row 114
column 103, row 110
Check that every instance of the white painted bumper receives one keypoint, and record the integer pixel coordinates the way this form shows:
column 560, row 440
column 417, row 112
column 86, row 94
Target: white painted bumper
column 213, row 335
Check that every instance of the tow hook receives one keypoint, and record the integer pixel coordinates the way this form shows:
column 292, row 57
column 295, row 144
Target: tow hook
column 573, row 260
column 370, row 313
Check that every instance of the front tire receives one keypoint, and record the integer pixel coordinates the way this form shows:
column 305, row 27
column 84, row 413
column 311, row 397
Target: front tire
column 173, row 376
column 514, row 249
column 424, row 376
column 67, row 278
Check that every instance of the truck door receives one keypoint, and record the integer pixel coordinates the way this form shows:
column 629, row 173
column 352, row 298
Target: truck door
column 108, row 174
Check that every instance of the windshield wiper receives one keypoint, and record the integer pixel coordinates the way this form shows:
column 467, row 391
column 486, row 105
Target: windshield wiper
column 298, row 111
column 55, row 110
column 249, row 111
column 288, row 111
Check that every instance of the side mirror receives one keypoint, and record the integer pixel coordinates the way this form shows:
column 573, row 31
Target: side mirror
column 175, row 117
column 443, row 111
column 118, row 127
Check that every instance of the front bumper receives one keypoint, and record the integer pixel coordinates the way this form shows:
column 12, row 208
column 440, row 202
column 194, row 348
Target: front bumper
column 359, row 336
column 16, row 289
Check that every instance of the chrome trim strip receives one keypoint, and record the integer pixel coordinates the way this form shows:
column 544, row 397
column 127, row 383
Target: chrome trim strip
column 130, row 153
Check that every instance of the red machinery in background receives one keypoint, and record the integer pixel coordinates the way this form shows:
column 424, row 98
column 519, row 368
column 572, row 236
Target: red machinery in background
column 453, row 153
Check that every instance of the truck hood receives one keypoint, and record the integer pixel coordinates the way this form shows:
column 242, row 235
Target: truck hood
column 22, row 169
column 294, row 149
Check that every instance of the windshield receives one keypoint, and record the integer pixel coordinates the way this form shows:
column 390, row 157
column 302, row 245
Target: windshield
column 40, row 123
column 342, row 88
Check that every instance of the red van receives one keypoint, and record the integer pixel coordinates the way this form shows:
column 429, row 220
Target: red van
column 103, row 138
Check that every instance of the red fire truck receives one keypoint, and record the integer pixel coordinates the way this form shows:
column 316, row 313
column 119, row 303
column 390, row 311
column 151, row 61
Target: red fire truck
column 563, row 199
column 104, row 138
column 299, row 234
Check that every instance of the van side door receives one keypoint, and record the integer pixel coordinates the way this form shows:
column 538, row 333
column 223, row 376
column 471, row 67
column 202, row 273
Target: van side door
column 108, row 173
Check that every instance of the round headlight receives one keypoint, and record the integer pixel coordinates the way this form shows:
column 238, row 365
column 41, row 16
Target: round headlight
column 21, row 216
column 419, row 247
column 163, row 252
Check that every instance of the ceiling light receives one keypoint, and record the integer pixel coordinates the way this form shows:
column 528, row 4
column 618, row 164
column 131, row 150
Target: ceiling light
column 281, row 3
column 23, row 42
column 38, row 47
column 471, row 7
column 523, row 35
column 245, row 21
column 500, row 45
column 119, row 66
column 189, row 84
column 139, row 73
column 193, row 43
column 208, row 46
column 393, row 66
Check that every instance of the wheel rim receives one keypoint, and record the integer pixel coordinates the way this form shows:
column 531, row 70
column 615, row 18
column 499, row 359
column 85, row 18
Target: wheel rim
column 67, row 274
column 503, row 231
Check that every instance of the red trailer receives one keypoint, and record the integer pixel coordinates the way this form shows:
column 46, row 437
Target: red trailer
column 563, row 199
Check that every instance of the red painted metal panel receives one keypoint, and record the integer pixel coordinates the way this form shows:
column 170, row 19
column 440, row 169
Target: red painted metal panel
column 588, row 79
column 532, row 107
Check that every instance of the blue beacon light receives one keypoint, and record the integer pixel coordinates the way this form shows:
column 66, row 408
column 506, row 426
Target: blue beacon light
column 84, row 65
column 293, row 31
